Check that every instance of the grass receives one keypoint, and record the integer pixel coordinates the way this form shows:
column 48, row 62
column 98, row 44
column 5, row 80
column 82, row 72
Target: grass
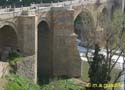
column 13, row 58
column 62, row 84
column 16, row 82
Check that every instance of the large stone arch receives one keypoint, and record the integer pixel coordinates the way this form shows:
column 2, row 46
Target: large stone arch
column 103, row 17
column 8, row 23
column 106, row 11
column 8, row 36
column 86, row 8
column 44, row 57
column 8, row 39
column 77, row 11
column 45, row 19
column 83, row 25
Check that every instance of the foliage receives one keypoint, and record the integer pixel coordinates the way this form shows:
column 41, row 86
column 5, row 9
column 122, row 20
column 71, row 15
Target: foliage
column 98, row 71
column 13, row 58
column 16, row 82
column 114, row 37
column 61, row 84
column 102, row 67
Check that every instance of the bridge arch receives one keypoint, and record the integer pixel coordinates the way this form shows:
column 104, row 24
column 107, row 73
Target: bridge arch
column 45, row 19
column 44, row 61
column 8, row 38
column 103, row 16
column 12, row 25
column 112, row 10
column 80, row 10
column 83, row 26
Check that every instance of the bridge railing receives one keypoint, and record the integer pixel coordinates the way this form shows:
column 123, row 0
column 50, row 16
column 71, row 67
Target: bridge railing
column 43, row 7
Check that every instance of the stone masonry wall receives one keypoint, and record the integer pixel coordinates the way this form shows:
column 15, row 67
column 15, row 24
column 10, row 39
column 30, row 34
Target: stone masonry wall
column 66, row 60
column 26, row 67
column 27, row 27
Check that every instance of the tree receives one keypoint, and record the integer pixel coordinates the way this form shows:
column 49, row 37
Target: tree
column 98, row 71
column 114, row 34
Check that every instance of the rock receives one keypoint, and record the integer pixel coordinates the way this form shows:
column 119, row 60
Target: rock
column 3, row 84
column 4, row 69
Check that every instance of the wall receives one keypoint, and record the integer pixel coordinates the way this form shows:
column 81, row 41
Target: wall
column 26, row 28
column 26, row 67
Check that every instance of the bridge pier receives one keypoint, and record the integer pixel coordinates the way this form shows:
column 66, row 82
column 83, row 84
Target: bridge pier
column 66, row 60
column 26, row 27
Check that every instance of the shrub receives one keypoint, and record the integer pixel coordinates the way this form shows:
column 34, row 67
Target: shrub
column 13, row 58
column 61, row 84
column 16, row 82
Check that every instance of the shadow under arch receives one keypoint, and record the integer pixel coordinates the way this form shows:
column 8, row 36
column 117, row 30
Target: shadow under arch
column 44, row 51
column 8, row 37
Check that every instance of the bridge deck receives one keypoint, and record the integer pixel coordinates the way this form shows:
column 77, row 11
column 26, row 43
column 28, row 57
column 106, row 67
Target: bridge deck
column 12, row 12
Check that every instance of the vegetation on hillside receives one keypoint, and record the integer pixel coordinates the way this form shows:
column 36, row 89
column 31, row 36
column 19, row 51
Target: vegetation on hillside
column 62, row 84
column 16, row 82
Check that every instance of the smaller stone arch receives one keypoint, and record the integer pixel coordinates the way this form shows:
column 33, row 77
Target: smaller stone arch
column 103, row 16
column 100, row 8
column 112, row 11
column 104, row 11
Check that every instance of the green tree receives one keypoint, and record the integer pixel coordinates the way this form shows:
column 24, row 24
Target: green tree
column 98, row 71
column 114, row 34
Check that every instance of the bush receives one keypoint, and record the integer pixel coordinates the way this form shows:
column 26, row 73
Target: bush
column 16, row 82
column 13, row 58
column 61, row 84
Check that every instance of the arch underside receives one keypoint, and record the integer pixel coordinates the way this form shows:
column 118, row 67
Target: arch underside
column 44, row 51
column 8, row 41
column 84, row 25
column 8, row 37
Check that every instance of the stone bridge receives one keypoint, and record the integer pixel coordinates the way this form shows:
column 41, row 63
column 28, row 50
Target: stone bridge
column 46, row 32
